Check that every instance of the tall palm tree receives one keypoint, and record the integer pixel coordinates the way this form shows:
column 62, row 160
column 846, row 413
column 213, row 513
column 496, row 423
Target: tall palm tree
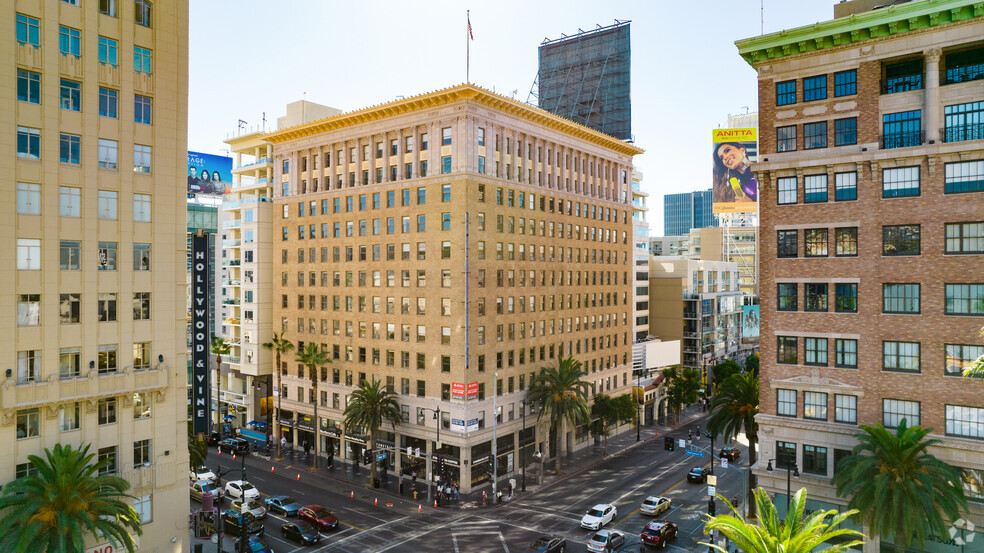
column 369, row 406
column 279, row 345
column 313, row 357
column 564, row 397
column 900, row 488
column 797, row 534
column 733, row 411
column 219, row 348
column 66, row 501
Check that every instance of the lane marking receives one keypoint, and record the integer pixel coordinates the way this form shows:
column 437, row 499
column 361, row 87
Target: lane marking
column 664, row 494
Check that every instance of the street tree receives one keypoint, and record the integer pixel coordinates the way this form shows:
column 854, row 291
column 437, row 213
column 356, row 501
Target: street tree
column 733, row 411
column 279, row 345
column 683, row 388
column 314, row 357
column 65, row 501
column 369, row 406
column 798, row 533
column 564, row 397
column 197, row 450
column 752, row 364
column 723, row 370
column 899, row 488
column 610, row 411
column 219, row 348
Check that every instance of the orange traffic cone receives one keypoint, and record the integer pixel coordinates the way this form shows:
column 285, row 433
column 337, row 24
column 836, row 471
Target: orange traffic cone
column 435, row 504
column 233, row 456
column 352, row 494
column 271, row 468
column 220, row 452
column 376, row 502
column 419, row 508
column 298, row 476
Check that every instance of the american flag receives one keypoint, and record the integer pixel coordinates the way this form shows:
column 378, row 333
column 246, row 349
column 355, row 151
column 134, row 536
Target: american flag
column 470, row 35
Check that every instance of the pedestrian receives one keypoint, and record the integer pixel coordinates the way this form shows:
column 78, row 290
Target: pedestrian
column 498, row 496
column 413, row 478
column 457, row 493
column 485, row 498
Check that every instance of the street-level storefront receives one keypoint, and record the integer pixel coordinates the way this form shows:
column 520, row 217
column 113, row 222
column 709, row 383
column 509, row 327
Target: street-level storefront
column 286, row 421
column 331, row 436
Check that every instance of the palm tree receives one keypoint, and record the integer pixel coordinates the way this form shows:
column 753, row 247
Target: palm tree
column 797, row 534
column 564, row 397
column 313, row 357
column 369, row 406
column 899, row 487
column 219, row 348
column 66, row 501
column 197, row 450
column 278, row 344
column 733, row 411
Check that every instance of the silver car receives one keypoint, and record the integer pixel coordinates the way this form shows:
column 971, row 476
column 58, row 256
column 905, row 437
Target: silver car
column 606, row 540
column 253, row 505
column 200, row 488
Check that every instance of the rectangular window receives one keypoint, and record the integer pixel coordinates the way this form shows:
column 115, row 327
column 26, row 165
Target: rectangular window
column 28, row 143
column 846, row 240
column 965, row 237
column 108, row 153
column 846, row 353
column 846, row 131
column 900, row 298
column 903, row 76
column 900, row 182
column 785, row 93
column 107, row 7
column 815, row 459
column 901, row 240
column 108, row 50
column 28, row 366
column 845, row 83
column 786, row 138
column 446, row 136
column 28, row 86
column 845, row 186
column 785, row 455
column 70, row 148
column 786, row 349
column 966, row 176
column 106, row 307
column 107, row 256
column 28, row 30
column 901, row 356
column 28, row 423
column 70, row 95
column 69, row 308
column 141, row 453
column 894, row 410
column 141, row 257
column 28, row 198
column 141, row 158
column 143, row 505
column 815, row 405
column 141, row 359
column 847, row 298
column 814, row 189
column 788, row 294
column 107, row 454
column 815, row 88
column 445, row 165
column 960, row 357
column 786, row 403
column 964, row 121
column 964, row 421
column 815, row 242
column 108, row 102
column 787, row 190
column 69, row 41
column 141, row 306
column 787, row 243
column 143, row 109
column 816, row 351
column 28, row 309
column 814, row 135
column 69, row 362
column 141, row 208
column 141, row 60
column 964, row 299
column 107, row 203
column 845, row 409
column 70, row 255
column 903, row 129
column 816, row 297
column 69, row 417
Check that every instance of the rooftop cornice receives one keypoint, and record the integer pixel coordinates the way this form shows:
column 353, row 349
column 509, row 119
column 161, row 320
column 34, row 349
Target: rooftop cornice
column 459, row 93
column 858, row 27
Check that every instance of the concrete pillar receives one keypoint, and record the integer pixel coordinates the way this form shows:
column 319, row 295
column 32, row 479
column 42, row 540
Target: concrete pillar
column 932, row 107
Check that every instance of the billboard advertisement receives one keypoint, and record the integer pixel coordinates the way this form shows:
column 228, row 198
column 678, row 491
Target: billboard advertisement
column 209, row 174
column 750, row 324
column 735, row 189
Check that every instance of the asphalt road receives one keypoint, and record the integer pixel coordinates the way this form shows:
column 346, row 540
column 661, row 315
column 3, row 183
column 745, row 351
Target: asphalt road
column 394, row 525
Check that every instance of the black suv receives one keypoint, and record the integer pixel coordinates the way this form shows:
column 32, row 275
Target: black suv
column 234, row 445
column 233, row 523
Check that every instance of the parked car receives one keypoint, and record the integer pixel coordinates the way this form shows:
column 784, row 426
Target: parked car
column 241, row 488
column 201, row 473
column 234, row 522
column 655, row 505
column 255, row 545
column 606, row 540
column 283, row 505
column 659, row 532
column 252, row 505
column 213, row 438
column 698, row 475
column 318, row 516
column 598, row 516
column 300, row 532
column 549, row 545
column 238, row 446
column 200, row 488
column 731, row 453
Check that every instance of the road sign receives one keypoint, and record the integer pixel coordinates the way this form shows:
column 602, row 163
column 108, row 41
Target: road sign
column 381, row 457
column 695, row 453
column 712, row 480
column 724, row 462
column 681, row 443
column 711, row 490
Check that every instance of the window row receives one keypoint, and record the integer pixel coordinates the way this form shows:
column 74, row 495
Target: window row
column 815, row 135
column 896, row 356
column 70, row 255
column 70, row 150
column 29, row 367
column 70, row 97
column 897, row 240
column 904, row 298
column 70, row 308
column 845, row 83
column 70, row 202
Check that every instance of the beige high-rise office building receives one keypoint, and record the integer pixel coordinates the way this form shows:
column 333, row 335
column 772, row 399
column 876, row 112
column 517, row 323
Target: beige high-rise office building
column 93, row 344
column 450, row 245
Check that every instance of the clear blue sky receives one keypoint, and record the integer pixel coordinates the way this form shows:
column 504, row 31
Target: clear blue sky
column 251, row 56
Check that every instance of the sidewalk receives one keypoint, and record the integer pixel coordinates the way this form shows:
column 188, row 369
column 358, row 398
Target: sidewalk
column 355, row 476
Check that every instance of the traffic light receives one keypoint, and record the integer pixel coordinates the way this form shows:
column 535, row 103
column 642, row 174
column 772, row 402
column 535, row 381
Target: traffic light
column 668, row 443
column 367, row 457
column 711, row 507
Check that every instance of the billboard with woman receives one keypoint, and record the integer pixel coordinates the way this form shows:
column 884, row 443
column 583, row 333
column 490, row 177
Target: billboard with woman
column 735, row 188
column 208, row 174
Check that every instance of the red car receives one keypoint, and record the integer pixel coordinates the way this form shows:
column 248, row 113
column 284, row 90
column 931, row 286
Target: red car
column 318, row 516
column 659, row 532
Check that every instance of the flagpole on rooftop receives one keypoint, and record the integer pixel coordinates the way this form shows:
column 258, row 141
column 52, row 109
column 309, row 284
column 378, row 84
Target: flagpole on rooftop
column 468, row 46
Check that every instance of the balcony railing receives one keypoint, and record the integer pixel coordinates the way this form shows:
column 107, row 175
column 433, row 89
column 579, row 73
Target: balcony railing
column 233, row 282
column 231, row 263
column 902, row 139
column 231, row 301
column 958, row 133
column 260, row 161
column 230, row 243
column 235, row 223
column 251, row 182
column 902, row 84
column 90, row 385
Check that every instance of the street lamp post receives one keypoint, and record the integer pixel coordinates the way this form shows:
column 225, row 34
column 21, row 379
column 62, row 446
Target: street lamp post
column 430, row 477
column 791, row 470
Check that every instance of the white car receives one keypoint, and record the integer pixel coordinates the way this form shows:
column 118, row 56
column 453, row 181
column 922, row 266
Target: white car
column 598, row 516
column 240, row 488
column 606, row 540
column 655, row 505
column 201, row 473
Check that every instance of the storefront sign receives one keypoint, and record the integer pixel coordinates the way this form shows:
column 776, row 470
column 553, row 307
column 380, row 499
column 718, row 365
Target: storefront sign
column 480, row 460
column 458, row 390
column 305, row 423
column 472, row 425
column 457, row 425
column 286, row 422
column 201, row 389
column 472, row 389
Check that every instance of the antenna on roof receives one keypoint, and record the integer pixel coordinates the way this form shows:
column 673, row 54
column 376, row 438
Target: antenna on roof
column 241, row 124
